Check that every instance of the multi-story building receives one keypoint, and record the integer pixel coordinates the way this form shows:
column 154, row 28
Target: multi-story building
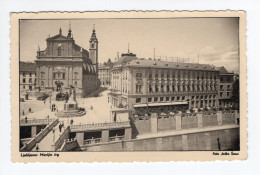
column 226, row 81
column 27, row 75
column 104, row 75
column 139, row 83
column 64, row 64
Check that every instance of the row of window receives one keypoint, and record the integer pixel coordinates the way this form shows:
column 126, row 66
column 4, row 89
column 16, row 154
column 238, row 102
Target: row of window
column 180, row 76
column 75, row 84
column 222, row 87
column 30, row 87
column 30, row 74
column 30, row 80
column 59, row 76
column 177, row 88
column 221, row 94
column 228, row 79
column 178, row 98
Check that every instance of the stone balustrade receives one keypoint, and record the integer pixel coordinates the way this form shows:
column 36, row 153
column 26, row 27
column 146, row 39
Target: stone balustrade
column 93, row 141
column 95, row 126
column 167, row 122
column 116, row 138
column 64, row 136
column 29, row 122
column 68, row 144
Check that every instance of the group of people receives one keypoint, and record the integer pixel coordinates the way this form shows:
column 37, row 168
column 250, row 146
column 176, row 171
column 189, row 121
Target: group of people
column 53, row 108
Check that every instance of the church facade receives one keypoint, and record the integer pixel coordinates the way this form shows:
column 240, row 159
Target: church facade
column 64, row 64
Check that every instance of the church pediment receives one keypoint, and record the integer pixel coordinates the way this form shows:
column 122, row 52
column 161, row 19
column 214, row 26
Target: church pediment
column 59, row 37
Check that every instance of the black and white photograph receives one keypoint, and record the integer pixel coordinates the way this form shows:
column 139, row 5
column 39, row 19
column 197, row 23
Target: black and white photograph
column 132, row 85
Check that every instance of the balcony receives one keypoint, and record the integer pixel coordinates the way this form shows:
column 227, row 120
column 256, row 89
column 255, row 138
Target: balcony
column 116, row 138
column 93, row 141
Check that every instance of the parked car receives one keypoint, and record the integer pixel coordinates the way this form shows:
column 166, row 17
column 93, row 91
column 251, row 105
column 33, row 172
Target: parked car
column 82, row 109
column 43, row 97
column 60, row 97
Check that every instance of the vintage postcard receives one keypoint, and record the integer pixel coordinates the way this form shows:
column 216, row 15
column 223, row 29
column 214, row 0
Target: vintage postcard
column 128, row 86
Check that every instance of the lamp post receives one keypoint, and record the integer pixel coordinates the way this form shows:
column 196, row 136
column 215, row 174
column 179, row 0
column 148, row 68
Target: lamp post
column 50, row 95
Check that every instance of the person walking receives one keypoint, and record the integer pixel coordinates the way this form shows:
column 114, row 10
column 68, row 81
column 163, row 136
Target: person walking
column 37, row 147
column 71, row 122
column 60, row 126
column 26, row 120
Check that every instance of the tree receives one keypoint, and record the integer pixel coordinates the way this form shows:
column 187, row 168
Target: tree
column 235, row 93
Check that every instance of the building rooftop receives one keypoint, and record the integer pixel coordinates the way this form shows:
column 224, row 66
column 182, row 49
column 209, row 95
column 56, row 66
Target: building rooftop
column 125, row 58
column 222, row 70
column 27, row 66
column 102, row 66
column 169, row 65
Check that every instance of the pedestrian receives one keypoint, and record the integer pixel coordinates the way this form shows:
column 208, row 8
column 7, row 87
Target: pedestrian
column 37, row 147
column 23, row 112
column 26, row 120
column 219, row 147
column 60, row 126
column 44, row 101
column 30, row 109
column 48, row 118
column 71, row 122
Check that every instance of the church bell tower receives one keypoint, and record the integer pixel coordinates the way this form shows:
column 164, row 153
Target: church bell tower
column 93, row 49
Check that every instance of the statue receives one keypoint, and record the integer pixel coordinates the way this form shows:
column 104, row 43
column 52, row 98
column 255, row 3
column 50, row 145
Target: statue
column 72, row 94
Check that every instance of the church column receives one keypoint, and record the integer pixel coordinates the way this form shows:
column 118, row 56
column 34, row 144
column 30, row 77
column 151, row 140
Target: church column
column 67, row 75
column 80, row 77
column 72, row 73
column 51, row 77
column 48, row 76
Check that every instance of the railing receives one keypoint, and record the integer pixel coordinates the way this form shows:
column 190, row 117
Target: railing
column 32, row 143
column 35, row 121
column 61, row 139
column 116, row 138
column 92, row 141
column 99, row 126
column 68, row 144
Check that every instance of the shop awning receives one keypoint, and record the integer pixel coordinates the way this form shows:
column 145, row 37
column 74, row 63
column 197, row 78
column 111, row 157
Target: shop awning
column 140, row 105
column 169, row 103
column 161, row 104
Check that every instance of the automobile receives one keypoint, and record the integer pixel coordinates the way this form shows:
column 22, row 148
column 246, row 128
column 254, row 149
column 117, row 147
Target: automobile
column 43, row 97
column 60, row 97
column 81, row 109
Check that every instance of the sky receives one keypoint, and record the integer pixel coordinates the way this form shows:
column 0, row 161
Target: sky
column 204, row 40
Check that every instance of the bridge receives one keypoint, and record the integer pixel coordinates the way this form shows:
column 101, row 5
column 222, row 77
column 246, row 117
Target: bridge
column 201, row 131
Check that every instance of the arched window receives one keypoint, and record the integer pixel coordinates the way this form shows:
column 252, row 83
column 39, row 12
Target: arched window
column 42, row 83
column 59, row 50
